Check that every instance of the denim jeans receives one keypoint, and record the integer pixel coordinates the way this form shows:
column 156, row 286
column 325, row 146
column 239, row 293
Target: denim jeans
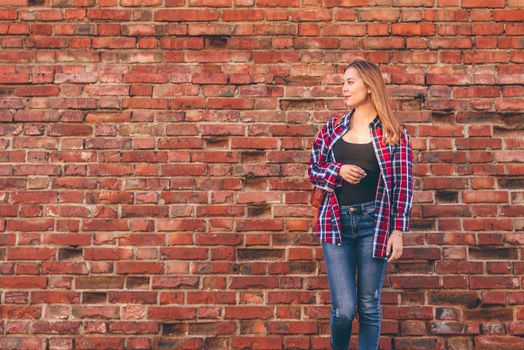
column 355, row 279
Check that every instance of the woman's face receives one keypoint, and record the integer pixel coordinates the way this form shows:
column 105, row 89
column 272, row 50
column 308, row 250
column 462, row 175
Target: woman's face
column 354, row 90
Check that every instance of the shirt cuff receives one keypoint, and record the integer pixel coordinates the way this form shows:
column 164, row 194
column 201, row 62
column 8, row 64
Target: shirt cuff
column 331, row 176
column 401, row 223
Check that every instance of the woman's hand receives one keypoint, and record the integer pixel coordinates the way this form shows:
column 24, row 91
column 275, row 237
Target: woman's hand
column 352, row 173
column 395, row 245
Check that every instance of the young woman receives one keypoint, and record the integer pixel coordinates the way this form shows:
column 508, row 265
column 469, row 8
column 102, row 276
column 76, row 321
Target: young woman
column 364, row 166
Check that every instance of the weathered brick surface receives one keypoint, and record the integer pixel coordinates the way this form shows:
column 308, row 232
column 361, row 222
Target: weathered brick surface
column 153, row 184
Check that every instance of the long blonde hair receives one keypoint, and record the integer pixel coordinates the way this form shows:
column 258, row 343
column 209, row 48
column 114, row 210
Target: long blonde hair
column 370, row 74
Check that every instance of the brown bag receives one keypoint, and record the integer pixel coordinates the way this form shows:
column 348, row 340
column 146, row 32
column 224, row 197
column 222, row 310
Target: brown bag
column 316, row 195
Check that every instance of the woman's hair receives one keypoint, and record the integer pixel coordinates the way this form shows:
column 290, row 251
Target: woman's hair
column 372, row 78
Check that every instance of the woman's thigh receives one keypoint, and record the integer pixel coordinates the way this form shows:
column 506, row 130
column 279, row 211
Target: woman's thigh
column 341, row 267
column 371, row 270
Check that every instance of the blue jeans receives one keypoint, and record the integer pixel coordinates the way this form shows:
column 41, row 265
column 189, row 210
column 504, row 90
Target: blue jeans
column 350, row 294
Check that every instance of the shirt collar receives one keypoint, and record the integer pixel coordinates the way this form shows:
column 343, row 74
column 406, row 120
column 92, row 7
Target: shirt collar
column 376, row 122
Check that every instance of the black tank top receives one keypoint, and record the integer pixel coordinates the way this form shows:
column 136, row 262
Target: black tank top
column 364, row 156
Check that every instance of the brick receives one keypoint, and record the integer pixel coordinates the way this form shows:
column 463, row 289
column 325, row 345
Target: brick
column 105, row 225
column 66, row 239
column 418, row 282
column 139, row 343
column 56, row 327
column 21, row 312
column 70, row 253
column 483, row 282
column 139, row 267
column 60, row 343
column 131, row 327
column 30, row 253
column 184, row 253
column 70, row 130
column 115, row 15
column 107, row 253
column 114, row 43
column 98, row 312
column 128, row 297
column 22, row 342
column 492, row 253
column 16, row 297
column 251, row 312
column 186, row 15
column 33, row 225
column 96, row 282
column 103, row 343
column 23, row 282
column 292, row 327
column 37, row 91
column 54, row 297
column 171, row 313
column 174, row 282
column 257, row 342
column 405, row 343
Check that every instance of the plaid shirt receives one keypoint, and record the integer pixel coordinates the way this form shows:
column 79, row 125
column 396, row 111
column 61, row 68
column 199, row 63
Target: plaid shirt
column 394, row 195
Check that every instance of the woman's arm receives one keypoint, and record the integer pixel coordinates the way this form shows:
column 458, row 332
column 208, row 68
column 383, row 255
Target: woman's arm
column 403, row 184
column 322, row 174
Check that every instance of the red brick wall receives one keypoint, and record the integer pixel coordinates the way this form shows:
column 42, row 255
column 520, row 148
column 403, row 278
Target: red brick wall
column 153, row 178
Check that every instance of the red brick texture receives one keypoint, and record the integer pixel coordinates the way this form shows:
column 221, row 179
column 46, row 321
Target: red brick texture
column 153, row 171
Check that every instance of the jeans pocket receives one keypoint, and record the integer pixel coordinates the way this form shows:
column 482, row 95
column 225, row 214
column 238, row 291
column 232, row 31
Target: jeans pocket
column 371, row 214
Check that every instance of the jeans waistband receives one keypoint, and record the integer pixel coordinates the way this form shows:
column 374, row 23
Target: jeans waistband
column 359, row 206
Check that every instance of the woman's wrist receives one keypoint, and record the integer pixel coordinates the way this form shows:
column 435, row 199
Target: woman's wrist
column 399, row 233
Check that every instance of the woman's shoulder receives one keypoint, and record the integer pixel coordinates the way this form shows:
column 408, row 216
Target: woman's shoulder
column 332, row 122
column 404, row 136
column 327, row 128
